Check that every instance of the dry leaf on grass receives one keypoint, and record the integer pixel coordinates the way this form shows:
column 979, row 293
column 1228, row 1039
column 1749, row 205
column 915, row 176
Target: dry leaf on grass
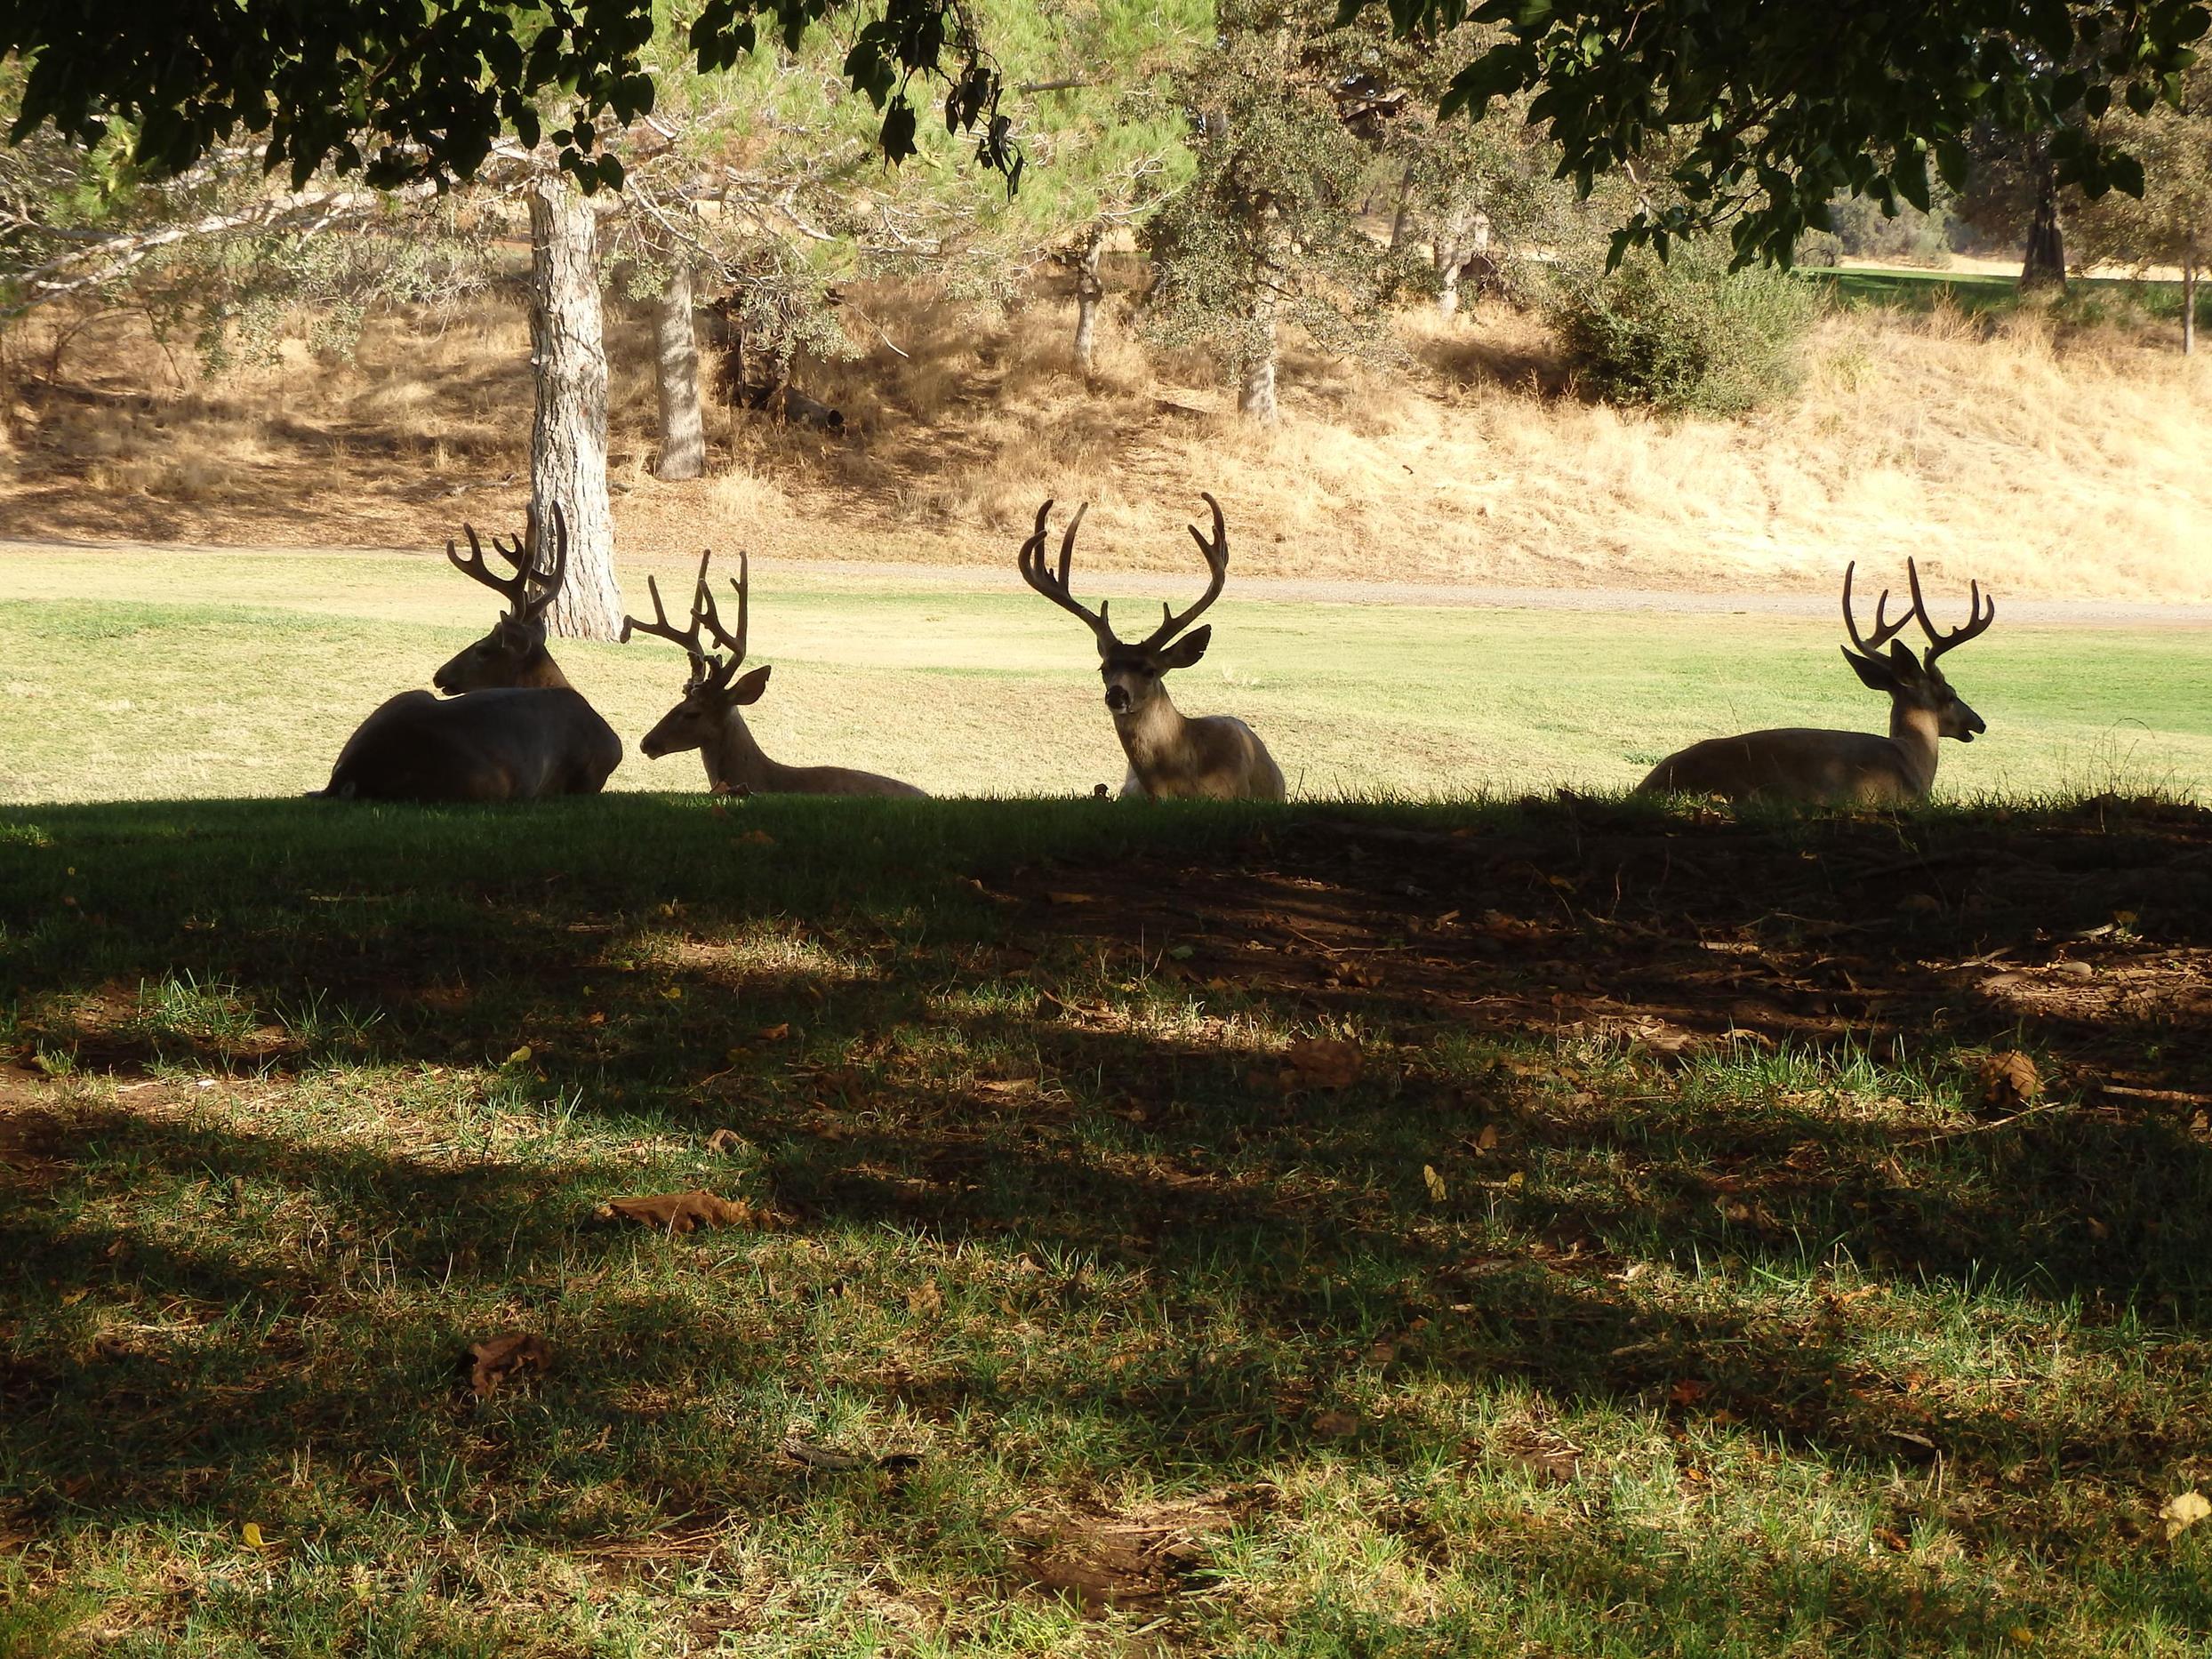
column 774, row 1033
column 1434, row 1182
column 1322, row 1062
column 2009, row 1081
column 1131, row 1557
column 830, row 1461
column 1335, row 1424
column 2184, row 1510
column 726, row 1140
column 514, row 1357
column 681, row 1212
column 926, row 1300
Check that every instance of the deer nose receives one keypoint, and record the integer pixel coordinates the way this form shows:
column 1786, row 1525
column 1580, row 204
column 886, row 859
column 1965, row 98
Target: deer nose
column 1117, row 699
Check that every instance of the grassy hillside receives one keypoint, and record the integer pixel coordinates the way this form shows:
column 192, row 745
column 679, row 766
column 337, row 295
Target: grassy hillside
column 148, row 675
column 2042, row 454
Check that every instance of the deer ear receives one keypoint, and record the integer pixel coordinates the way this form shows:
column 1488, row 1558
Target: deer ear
column 1907, row 667
column 749, row 688
column 1187, row 650
column 1873, row 673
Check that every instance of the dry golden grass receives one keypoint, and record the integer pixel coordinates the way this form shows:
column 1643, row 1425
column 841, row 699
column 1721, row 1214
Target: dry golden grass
column 2040, row 461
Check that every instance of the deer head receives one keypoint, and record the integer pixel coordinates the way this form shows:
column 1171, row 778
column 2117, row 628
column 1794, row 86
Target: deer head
column 513, row 653
column 715, row 688
column 1911, row 682
column 1132, row 670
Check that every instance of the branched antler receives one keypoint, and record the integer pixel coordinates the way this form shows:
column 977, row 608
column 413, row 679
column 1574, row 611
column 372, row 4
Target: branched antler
column 1979, row 616
column 521, row 552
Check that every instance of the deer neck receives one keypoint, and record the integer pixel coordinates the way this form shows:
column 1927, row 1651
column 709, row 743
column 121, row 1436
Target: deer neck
column 734, row 761
column 1154, row 735
column 542, row 673
column 1915, row 733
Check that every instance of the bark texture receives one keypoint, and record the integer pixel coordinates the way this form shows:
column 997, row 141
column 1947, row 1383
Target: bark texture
column 1089, row 291
column 1255, row 376
column 675, row 376
column 568, row 436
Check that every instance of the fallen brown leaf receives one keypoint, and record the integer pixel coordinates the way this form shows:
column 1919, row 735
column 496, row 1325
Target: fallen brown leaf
column 514, row 1357
column 774, row 1033
column 681, row 1212
column 726, row 1141
column 1326, row 1062
column 1335, row 1424
column 926, row 1300
column 2009, row 1081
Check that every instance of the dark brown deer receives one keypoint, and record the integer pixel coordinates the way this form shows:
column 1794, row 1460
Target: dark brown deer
column 1170, row 756
column 708, row 717
column 513, row 728
column 1851, row 768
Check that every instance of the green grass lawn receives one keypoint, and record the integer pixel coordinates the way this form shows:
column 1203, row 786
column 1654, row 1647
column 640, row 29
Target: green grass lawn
column 1637, row 1265
column 1974, row 291
column 170, row 674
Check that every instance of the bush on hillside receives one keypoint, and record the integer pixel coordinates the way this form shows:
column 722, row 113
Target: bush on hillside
column 1687, row 336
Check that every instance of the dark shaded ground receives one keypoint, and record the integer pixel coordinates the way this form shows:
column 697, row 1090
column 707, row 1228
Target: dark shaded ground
column 1698, row 1098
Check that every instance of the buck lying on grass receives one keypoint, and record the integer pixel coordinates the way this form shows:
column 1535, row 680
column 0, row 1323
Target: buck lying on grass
column 513, row 728
column 1170, row 756
column 706, row 718
column 1854, row 768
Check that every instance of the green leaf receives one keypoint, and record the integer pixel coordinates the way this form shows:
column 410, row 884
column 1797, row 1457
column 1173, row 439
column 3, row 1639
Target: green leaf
column 898, row 129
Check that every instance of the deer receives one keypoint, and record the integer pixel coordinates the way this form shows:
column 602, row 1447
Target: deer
column 510, row 728
column 708, row 716
column 1850, row 768
column 1172, row 757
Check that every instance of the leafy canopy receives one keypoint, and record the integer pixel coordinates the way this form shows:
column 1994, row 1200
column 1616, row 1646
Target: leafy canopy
column 409, row 91
column 1763, row 112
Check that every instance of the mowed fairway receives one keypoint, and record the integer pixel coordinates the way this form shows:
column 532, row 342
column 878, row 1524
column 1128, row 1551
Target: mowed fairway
column 171, row 674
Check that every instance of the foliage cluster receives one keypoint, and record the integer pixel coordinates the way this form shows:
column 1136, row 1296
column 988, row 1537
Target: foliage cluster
column 1685, row 336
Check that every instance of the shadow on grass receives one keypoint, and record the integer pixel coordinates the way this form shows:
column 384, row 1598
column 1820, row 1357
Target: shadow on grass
column 1029, row 1054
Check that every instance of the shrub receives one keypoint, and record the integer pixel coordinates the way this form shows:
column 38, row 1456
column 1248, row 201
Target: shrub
column 1687, row 336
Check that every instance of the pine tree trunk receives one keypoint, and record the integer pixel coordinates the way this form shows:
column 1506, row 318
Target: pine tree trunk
column 1089, row 291
column 675, row 375
column 568, row 437
column 2044, row 265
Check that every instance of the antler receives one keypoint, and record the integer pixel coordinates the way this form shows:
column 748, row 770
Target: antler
column 1978, row 617
column 1215, row 553
column 704, row 667
column 732, row 643
column 1885, row 631
column 1031, row 560
column 521, row 552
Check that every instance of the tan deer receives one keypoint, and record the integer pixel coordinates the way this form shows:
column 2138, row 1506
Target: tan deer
column 707, row 718
column 1172, row 757
column 524, row 734
column 1853, row 768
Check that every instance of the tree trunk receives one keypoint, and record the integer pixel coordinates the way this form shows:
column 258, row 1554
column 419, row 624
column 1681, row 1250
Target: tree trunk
column 568, row 437
column 2044, row 265
column 1447, row 288
column 675, row 375
column 1255, row 375
column 1402, row 220
column 1089, row 291
column 2189, row 303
